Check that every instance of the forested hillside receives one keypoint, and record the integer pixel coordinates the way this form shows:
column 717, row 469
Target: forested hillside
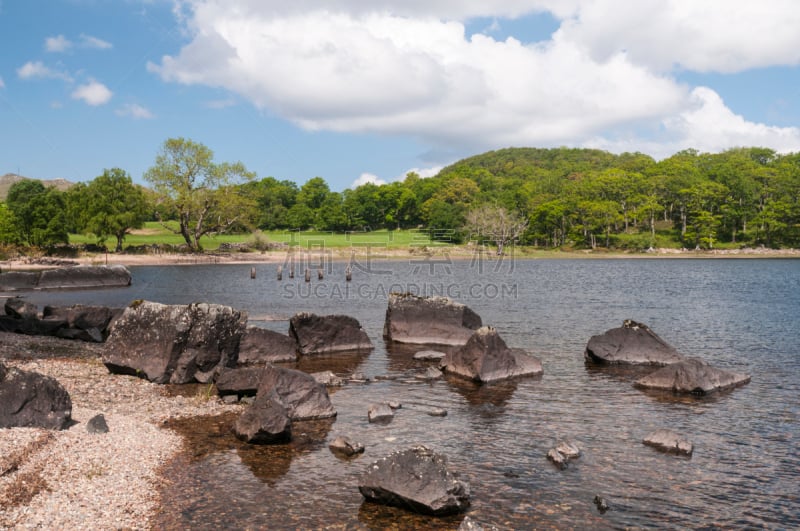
column 563, row 197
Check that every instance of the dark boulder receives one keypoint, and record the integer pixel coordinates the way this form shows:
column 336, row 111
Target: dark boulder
column 89, row 323
column 669, row 441
column 428, row 320
column 174, row 343
column 32, row 400
column 261, row 346
column 304, row 397
column 486, row 358
column 323, row 334
column 633, row 343
column 416, row 479
column 265, row 421
column 691, row 376
column 343, row 446
column 20, row 309
column 240, row 381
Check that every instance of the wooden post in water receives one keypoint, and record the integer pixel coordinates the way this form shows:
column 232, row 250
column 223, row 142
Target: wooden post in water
column 308, row 275
column 280, row 272
column 319, row 274
column 291, row 271
column 253, row 272
column 348, row 273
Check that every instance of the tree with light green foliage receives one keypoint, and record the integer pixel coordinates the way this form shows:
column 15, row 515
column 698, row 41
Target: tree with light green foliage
column 204, row 195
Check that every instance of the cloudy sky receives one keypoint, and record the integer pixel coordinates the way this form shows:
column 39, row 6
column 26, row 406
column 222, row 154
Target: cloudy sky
column 367, row 90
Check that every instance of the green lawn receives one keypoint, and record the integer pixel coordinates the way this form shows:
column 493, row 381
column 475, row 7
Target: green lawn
column 155, row 233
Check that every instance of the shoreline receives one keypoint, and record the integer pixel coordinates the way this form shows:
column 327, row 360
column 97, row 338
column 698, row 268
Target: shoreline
column 345, row 254
column 68, row 478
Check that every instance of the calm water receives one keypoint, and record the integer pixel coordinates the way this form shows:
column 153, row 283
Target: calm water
column 742, row 315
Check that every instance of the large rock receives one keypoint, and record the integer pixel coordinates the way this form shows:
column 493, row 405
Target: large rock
column 323, row 334
column 265, row 421
column 174, row 343
column 417, row 479
column 240, row 381
column 261, row 346
column 31, row 400
column 691, row 376
column 486, row 358
column 633, row 343
column 428, row 320
column 20, row 309
column 303, row 396
column 669, row 441
column 89, row 323
column 78, row 277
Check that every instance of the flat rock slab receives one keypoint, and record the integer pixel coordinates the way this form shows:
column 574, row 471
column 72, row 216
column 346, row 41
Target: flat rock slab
column 416, row 479
column 633, row 343
column 669, row 441
column 261, row 346
column 486, row 358
column 323, row 334
column 77, row 277
column 428, row 320
column 691, row 376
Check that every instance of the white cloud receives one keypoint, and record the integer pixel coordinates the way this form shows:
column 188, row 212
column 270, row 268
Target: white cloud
column 92, row 93
column 367, row 178
column 2, row 83
column 87, row 41
column 37, row 70
column 408, row 68
column 135, row 111
column 422, row 172
column 59, row 43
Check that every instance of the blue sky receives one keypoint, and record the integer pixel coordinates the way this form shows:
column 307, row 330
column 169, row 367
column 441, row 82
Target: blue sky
column 367, row 90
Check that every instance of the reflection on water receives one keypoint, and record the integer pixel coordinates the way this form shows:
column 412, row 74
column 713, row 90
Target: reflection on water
column 738, row 315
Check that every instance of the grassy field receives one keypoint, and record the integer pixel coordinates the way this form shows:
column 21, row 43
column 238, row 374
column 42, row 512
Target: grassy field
column 154, row 233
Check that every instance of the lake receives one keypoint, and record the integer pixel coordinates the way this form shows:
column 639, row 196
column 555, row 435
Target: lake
column 741, row 315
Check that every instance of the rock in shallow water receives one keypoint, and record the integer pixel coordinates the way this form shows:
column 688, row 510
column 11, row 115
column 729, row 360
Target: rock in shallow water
column 669, row 441
column 486, row 358
column 416, row 479
column 633, row 343
column 345, row 447
column 691, row 376
column 428, row 320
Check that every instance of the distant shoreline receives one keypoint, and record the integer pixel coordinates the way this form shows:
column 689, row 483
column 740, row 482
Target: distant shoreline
column 344, row 254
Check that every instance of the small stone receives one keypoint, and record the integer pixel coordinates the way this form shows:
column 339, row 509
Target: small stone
column 380, row 413
column 669, row 441
column 230, row 399
column 97, row 424
column 558, row 459
column 601, row 503
column 429, row 355
column 437, row 412
column 344, row 446
column 394, row 404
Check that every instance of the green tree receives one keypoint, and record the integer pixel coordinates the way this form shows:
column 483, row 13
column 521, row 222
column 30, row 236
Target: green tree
column 496, row 224
column 39, row 213
column 200, row 191
column 114, row 206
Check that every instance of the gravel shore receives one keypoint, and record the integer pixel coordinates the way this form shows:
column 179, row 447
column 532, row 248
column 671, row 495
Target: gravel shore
column 73, row 479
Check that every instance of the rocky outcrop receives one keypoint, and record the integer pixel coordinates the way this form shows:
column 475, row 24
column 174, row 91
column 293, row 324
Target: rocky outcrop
column 265, row 421
column 324, row 334
column 428, row 320
column 31, row 400
column 304, row 397
column 486, row 358
column 174, row 343
column 691, row 376
column 416, row 479
column 669, row 441
column 633, row 343
column 261, row 346
column 78, row 277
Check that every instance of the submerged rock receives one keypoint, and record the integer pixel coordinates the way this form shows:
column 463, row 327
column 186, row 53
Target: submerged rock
column 32, row 400
column 428, row 320
column 322, row 334
column 633, row 343
column 486, row 358
column 429, row 355
column 416, row 479
column 692, row 376
column 669, row 441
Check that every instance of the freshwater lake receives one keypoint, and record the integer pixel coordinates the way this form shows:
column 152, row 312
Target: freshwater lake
column 738, row 314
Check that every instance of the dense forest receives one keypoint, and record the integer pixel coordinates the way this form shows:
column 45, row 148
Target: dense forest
column 578, row 198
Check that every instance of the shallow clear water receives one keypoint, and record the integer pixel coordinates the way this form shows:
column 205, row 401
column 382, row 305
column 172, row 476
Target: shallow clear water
column 741, row 315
